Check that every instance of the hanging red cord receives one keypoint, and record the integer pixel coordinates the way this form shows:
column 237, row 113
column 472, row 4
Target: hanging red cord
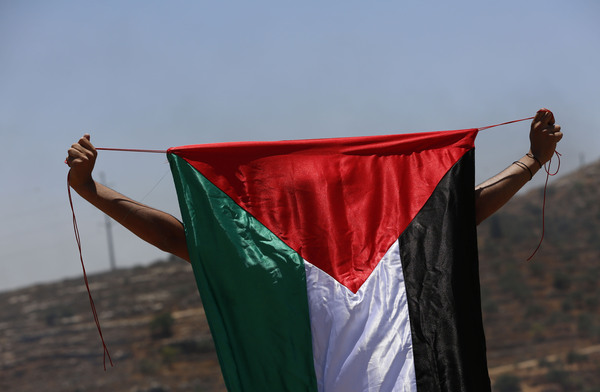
column 548, row 174
column 78, row 240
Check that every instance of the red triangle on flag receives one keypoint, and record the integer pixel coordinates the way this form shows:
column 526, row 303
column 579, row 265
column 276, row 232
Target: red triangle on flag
column 340, row 203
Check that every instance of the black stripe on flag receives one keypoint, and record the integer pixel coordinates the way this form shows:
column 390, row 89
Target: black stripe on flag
column 441, row 270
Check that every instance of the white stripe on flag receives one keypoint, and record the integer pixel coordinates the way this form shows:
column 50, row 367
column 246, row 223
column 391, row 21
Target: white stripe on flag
column 362, row 341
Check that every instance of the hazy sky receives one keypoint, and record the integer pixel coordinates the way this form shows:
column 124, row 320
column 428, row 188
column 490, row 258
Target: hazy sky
column 150, row 74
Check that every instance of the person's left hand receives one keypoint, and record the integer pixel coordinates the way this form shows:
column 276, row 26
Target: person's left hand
column 544, row 135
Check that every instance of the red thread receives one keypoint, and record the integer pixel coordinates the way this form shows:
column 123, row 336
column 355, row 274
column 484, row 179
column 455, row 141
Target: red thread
column 78, row 240
column 504, row 123
column 131, row 150
column 548, row 174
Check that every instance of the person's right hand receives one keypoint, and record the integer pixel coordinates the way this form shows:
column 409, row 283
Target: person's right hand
column 81, row 159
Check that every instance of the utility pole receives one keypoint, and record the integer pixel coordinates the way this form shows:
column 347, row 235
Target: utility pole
column 109, row 237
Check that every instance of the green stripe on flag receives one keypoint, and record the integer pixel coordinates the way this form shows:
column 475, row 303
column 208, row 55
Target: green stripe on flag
column 253, row 287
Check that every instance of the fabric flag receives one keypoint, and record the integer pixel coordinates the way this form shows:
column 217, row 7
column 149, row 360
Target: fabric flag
column 344, row 264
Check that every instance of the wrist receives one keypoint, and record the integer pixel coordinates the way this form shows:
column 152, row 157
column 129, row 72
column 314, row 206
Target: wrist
column 542, row 155
column 535, row 158
column 529, row 164
column 83, row 187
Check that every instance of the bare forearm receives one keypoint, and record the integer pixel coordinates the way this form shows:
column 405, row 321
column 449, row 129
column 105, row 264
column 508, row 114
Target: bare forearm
column 153, row 226
column 498, row 190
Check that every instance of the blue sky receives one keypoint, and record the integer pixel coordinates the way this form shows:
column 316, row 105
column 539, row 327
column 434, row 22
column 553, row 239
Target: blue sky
column 150, row 74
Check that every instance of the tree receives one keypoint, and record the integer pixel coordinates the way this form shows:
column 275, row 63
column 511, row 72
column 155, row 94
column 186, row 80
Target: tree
column 162, row 326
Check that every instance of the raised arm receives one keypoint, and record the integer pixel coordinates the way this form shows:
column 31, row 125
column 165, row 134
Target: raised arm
column 153, row 226
column 498, row 190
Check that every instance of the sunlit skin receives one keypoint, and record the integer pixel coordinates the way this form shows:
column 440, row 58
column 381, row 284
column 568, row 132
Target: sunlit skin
column 166, row 232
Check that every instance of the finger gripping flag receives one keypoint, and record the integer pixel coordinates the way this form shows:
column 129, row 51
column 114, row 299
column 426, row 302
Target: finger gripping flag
column 343, row 264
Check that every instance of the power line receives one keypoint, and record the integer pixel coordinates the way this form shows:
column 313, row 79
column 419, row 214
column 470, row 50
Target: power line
column 109, row 236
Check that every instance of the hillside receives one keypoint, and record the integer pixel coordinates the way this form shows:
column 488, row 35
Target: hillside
column 151, row 318
column 546, row 309
column 542, row 317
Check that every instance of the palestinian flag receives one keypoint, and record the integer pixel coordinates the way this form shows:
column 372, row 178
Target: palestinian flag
column 343, row 264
